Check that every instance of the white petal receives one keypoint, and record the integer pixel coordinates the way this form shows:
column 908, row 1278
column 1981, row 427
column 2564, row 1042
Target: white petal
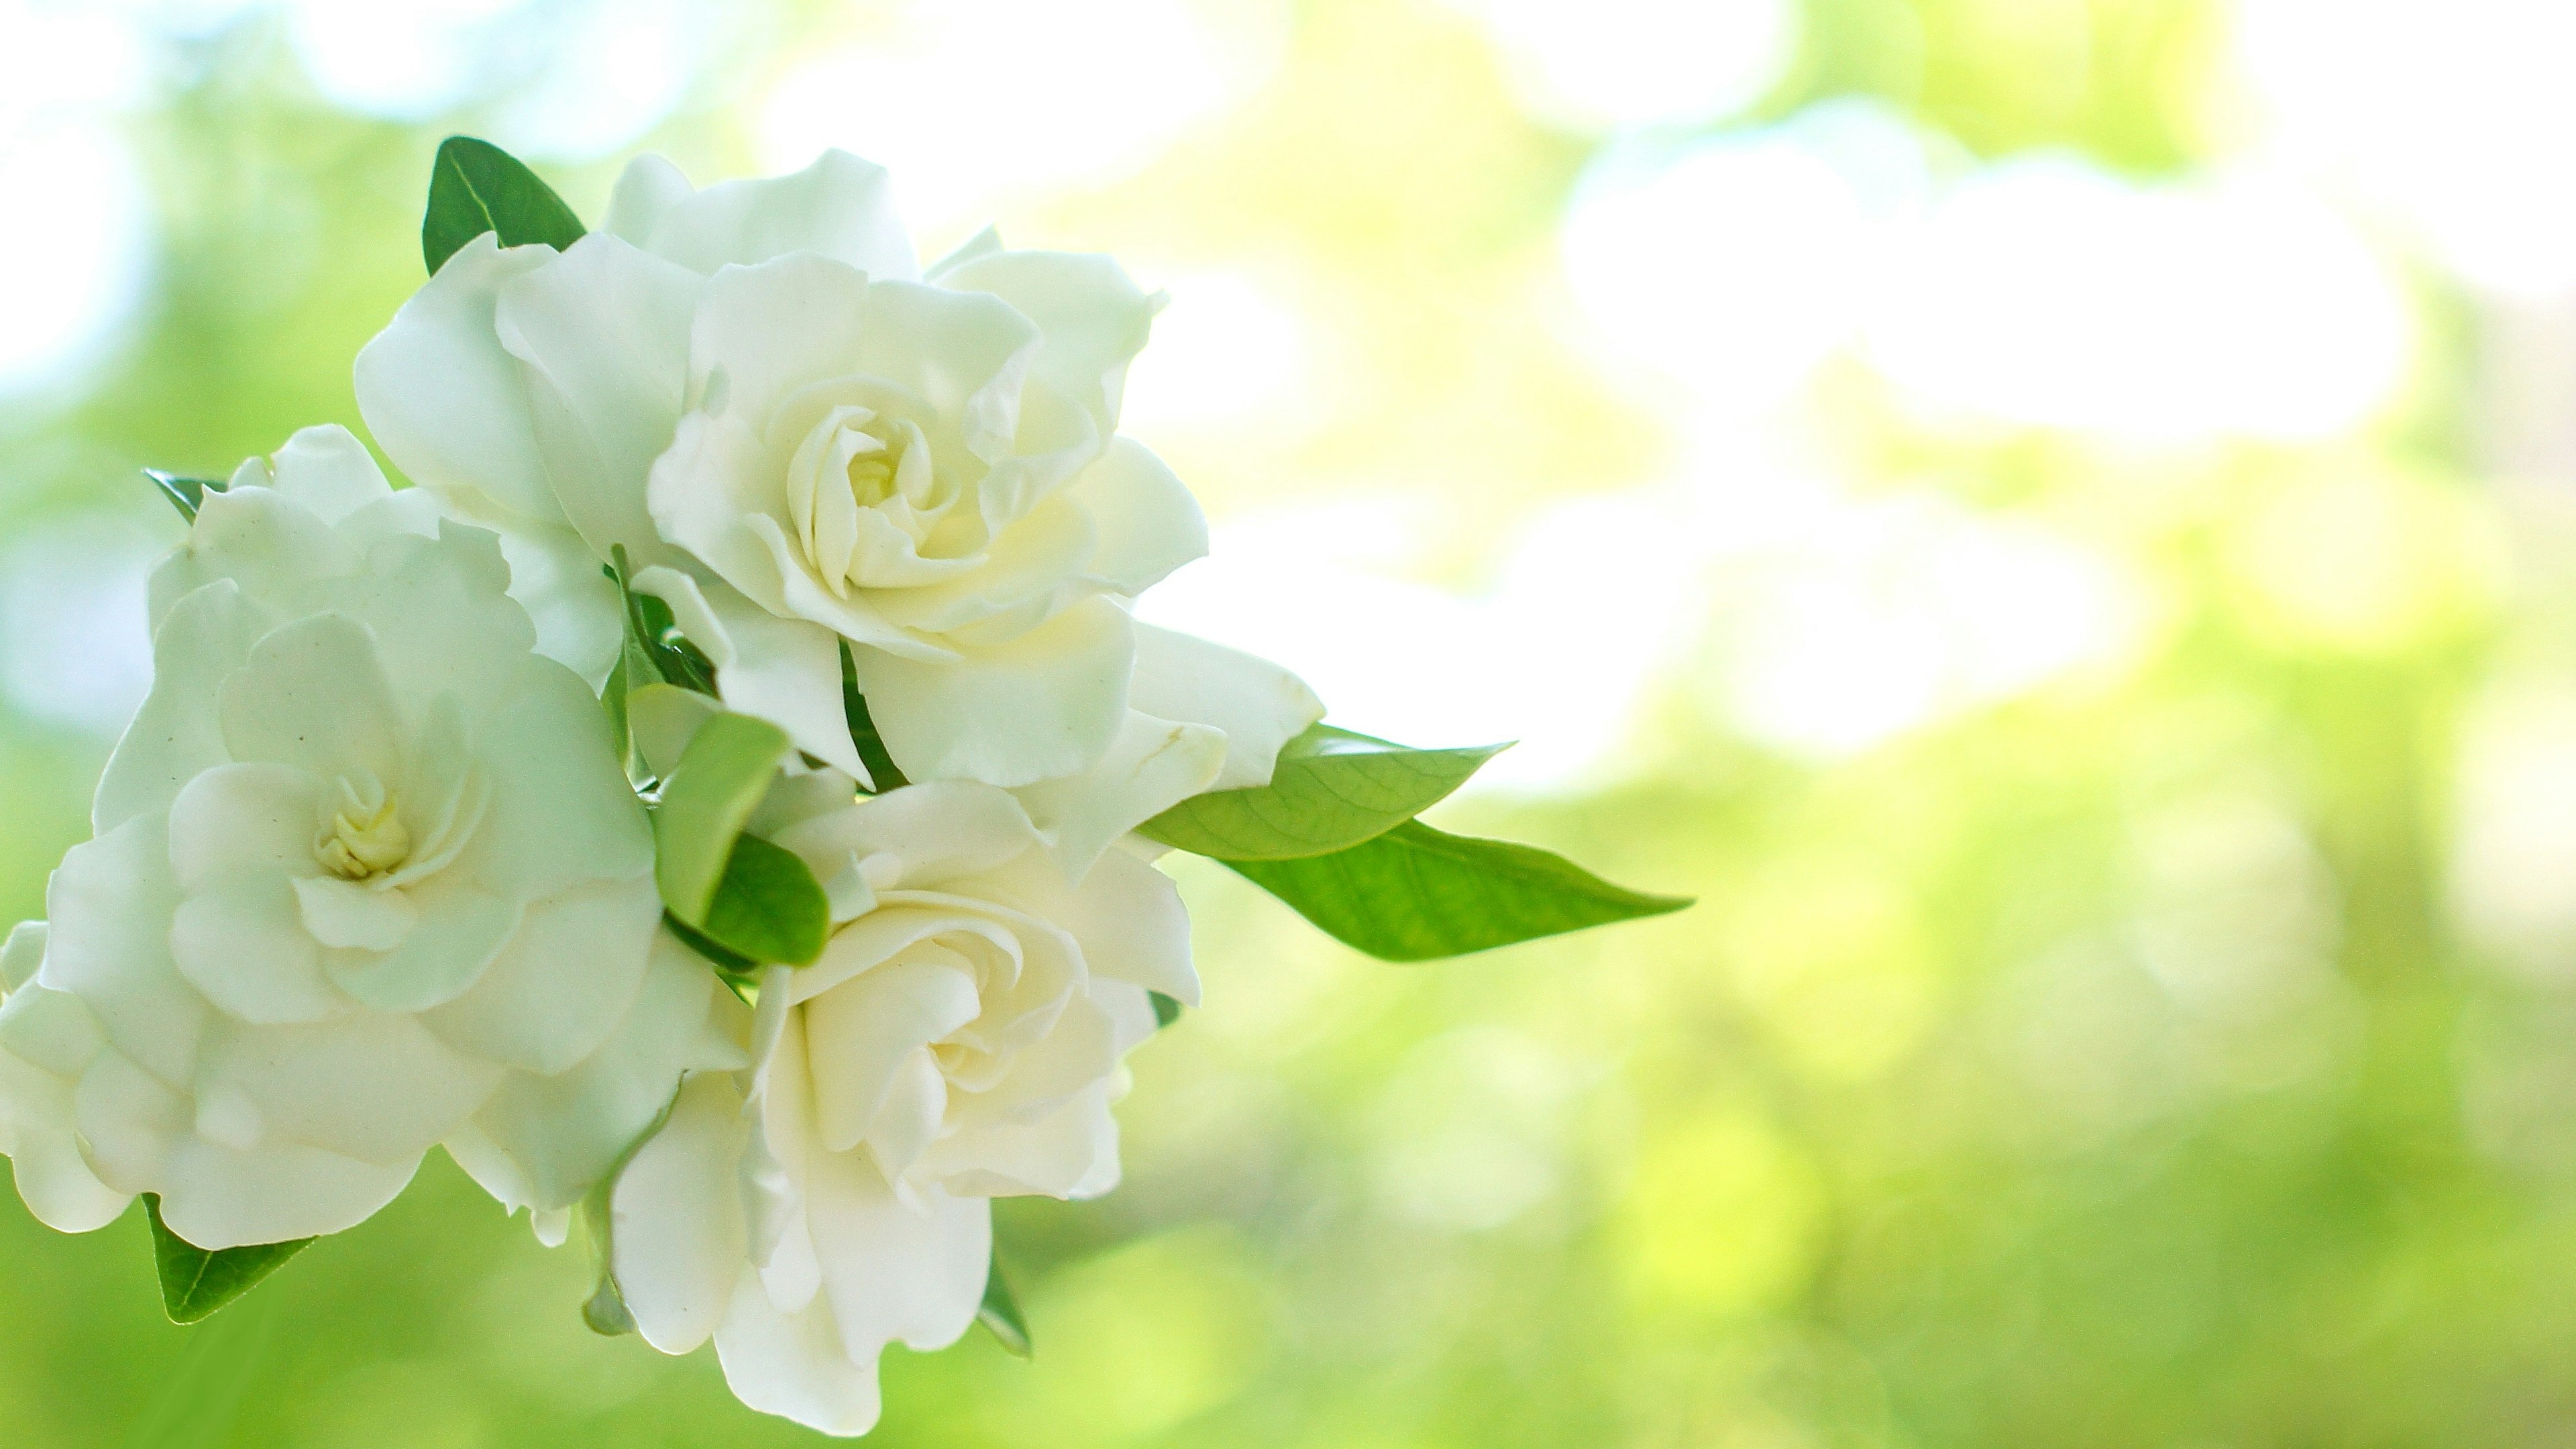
column 1047, row 703
column 460, row 929
column 560, row 1134
column 274, row 549
column 21, row 954
column 676, row 1220
column 934, row 832
column 444, row 400
column 982, row 244
column 370, row 1086
column 37, row 1133
column 222, row 1197
column 1146, row 521
column 1071, row 1152
column 645, row 192
column 794, row 1365
column 561, row 982
column 562, row 812
column 604, row 332
column 441, row 616
column 343, row 913
column 50, row 1031
column 1259, row 705
column 314, row 696
column 327, row 470
column 786, row 671
column 865, row 1031
column 110, row 904
column 839, row 207
column 1093, row 317
column 895, row 1271
column 663, row 718
column 244, row 815
column 966, row 354
column 775, row 326
column 1151, row 766
column 239, row 938
column 1126, row 915
column 175, row 735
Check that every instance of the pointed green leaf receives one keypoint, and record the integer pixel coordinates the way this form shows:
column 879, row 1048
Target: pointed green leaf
column 1415, row 893
column 475, row 187
column 1167, row 1009
column 768, row 906
column 721, row 776
column 1000, row 1313
column 196, row 1281
column 882, row 774
column 185, row 494
column 1330, row 790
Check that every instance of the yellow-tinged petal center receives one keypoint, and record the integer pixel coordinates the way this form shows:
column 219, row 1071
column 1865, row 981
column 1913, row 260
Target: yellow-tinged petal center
column 367, row 837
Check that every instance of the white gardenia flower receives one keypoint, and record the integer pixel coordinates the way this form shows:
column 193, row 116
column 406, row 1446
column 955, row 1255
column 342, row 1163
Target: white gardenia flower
column 958, row 1040
column 800, row 438
column 367, row 877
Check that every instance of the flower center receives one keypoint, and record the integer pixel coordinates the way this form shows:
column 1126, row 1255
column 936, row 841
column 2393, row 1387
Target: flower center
column 872, row 476
column 864, row 496
column 367, row 837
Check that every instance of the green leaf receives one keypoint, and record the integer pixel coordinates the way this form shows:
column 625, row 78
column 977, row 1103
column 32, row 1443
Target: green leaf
column 195, row 1281
column 475, row 187
column 721, row 776
column 1330, row 790
column 768, row 906
column 1167, row 1009
column 654, row 652
column 1415, row 893
column 185, row 494
column 729, row 964
column 1000, row 1313
column 882, row 774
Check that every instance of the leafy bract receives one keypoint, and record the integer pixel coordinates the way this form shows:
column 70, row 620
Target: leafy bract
column 196, row 1281
column 475, row 187
column 718, row 782
column 882, row 774
column 1167, row 1009
column 768, row 907
column 754, row 900
column 1415, row 893
column 1330, row 790
column 185, row 494
column 1000, row 1313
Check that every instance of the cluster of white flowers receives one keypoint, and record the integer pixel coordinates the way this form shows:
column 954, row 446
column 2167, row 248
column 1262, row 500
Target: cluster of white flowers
column 370, row 874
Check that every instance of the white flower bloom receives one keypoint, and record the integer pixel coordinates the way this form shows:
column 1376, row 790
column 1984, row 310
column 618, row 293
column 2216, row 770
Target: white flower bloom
column 47, row 1039
column 366, row 877
column 958, row 1040
column 800, row 439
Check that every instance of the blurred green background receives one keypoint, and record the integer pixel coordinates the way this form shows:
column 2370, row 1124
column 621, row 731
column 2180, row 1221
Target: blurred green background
column 2051, row 517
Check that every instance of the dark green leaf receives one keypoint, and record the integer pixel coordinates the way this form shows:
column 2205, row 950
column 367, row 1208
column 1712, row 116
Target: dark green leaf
column 654, row 650
column 1415, row 893
column 185, row 494
column 729, row 962
column 1330, row 790
column 768, row 907
column 475, row 187
column 882, row 774
column 717, row 784
column 195, row 1281
column 1166, row 1009
column 1000, row 1313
